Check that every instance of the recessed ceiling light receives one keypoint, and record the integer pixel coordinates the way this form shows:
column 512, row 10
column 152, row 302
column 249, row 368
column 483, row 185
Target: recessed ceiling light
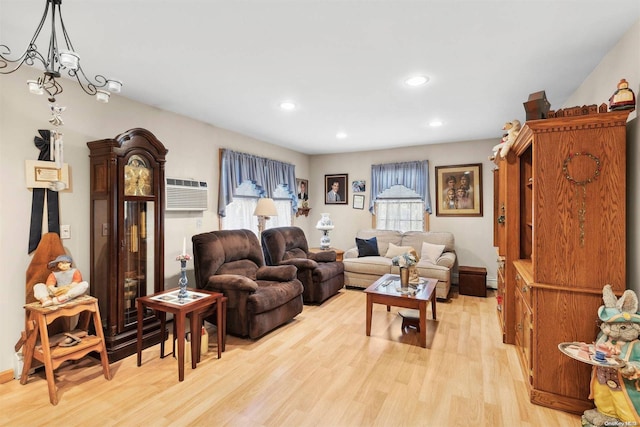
column 287, row 105
column 341, row 135
column 435, row 123
column 416, row 80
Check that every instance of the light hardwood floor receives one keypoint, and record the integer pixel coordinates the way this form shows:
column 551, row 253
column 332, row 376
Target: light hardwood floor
column 319, row 370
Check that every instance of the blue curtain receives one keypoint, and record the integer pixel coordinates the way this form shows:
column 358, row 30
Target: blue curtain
column 265, row 173
column 413, row 175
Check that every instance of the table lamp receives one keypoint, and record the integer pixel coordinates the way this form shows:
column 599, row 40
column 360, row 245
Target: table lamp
column 325, row 224
column 265, row 209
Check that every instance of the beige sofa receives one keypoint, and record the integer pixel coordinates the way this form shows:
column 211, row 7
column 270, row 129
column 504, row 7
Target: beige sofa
column 360, row 272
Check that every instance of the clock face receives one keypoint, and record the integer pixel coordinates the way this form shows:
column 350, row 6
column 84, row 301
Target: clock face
column 137, row 177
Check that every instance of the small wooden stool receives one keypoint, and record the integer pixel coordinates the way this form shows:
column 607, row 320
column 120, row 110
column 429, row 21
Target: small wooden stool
column 38, row 318
column 410, row 319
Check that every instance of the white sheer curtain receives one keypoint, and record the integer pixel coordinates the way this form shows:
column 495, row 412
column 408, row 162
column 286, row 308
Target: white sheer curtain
column 399, row 208
column 240, row 215
column 240, row 211
column 402, row 215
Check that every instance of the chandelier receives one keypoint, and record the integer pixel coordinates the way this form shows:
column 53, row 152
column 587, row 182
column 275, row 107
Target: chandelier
column 59, row 59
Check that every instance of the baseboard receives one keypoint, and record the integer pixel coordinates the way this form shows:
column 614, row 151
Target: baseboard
column 6, row 376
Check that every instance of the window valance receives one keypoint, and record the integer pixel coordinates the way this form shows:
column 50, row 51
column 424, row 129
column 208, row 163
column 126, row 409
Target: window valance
column 266, row 174
column 413, row 175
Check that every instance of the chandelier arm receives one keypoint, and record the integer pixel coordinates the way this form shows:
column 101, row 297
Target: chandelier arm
column 52, row 53
column 30, row 52
column 40, row 25
column 67, row 39
column 89, row 87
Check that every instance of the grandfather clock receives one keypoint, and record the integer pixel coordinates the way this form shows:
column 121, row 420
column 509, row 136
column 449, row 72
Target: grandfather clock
column 127, row 242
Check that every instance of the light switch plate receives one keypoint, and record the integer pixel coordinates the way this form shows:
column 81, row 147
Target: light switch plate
column 65, row 231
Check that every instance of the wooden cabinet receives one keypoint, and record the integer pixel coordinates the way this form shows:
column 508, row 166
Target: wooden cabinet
column 127, row 243
column 564, row 239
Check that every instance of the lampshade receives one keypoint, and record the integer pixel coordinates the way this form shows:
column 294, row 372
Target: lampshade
column 35, row 87
column 69, row 59
column 114, row 86
column 265, row 207
column 102, row 96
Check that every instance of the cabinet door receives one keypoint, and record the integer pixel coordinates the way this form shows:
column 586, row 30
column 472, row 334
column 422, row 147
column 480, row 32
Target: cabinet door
column 138, row 255
column 524, row 329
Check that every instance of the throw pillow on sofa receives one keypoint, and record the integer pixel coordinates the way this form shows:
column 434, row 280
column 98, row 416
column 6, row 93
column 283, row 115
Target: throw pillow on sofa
column 431, row 252
column 367, row 247
column 395, row 251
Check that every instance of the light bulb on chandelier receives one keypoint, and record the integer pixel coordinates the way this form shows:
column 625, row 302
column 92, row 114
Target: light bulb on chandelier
column 56, row 61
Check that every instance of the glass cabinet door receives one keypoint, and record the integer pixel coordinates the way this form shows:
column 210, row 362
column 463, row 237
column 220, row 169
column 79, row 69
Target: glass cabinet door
column 139, row 255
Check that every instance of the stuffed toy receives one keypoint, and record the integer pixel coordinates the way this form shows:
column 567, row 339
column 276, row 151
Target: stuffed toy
column 616, row 390
column 512, row 129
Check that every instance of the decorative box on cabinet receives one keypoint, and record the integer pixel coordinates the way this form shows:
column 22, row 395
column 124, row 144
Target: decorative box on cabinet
column 127, row 240
column 565, row 200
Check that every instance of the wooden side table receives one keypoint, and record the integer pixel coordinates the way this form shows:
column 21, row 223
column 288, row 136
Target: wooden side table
column 195, row 309
column 38, row 318
column 339, row 252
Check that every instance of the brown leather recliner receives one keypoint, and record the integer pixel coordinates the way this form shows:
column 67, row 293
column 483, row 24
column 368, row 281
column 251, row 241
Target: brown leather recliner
column 260, row 298
column 321, row 275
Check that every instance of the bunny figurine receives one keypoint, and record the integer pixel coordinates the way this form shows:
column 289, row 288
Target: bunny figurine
column 616, row 391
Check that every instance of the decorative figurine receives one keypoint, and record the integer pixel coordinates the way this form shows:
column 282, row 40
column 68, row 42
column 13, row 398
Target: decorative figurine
column 623, row 98
column 512, row 129
column 63, row 284
column 615, row 389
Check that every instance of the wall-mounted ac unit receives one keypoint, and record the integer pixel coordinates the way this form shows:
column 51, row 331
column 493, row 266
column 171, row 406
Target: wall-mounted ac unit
column 186, row 195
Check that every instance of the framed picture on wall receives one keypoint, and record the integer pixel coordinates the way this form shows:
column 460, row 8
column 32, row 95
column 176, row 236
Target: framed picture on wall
column 459, row 190
column 303, row 189
column 358, row 201
column 336, row 189
column 359, row 186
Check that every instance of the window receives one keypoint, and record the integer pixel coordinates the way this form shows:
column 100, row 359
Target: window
column 239, row 213
column 399, row 208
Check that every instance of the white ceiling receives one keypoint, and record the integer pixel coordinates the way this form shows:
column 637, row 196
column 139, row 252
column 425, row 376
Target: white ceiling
column 230, row 63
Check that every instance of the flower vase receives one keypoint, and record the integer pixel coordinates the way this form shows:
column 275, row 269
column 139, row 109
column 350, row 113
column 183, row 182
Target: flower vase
column 404, row 277
column 182, row 282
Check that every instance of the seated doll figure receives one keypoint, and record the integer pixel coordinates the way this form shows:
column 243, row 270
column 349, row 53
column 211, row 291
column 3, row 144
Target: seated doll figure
column 63, row 284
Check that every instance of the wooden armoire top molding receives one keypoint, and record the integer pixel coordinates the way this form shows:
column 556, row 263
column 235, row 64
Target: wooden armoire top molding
column 563, row 124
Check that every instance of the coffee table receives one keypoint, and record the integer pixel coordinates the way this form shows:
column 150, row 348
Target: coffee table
column 383, row 291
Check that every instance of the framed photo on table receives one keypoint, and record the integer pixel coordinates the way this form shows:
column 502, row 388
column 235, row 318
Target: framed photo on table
column 459, row 190
column 336, row 191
